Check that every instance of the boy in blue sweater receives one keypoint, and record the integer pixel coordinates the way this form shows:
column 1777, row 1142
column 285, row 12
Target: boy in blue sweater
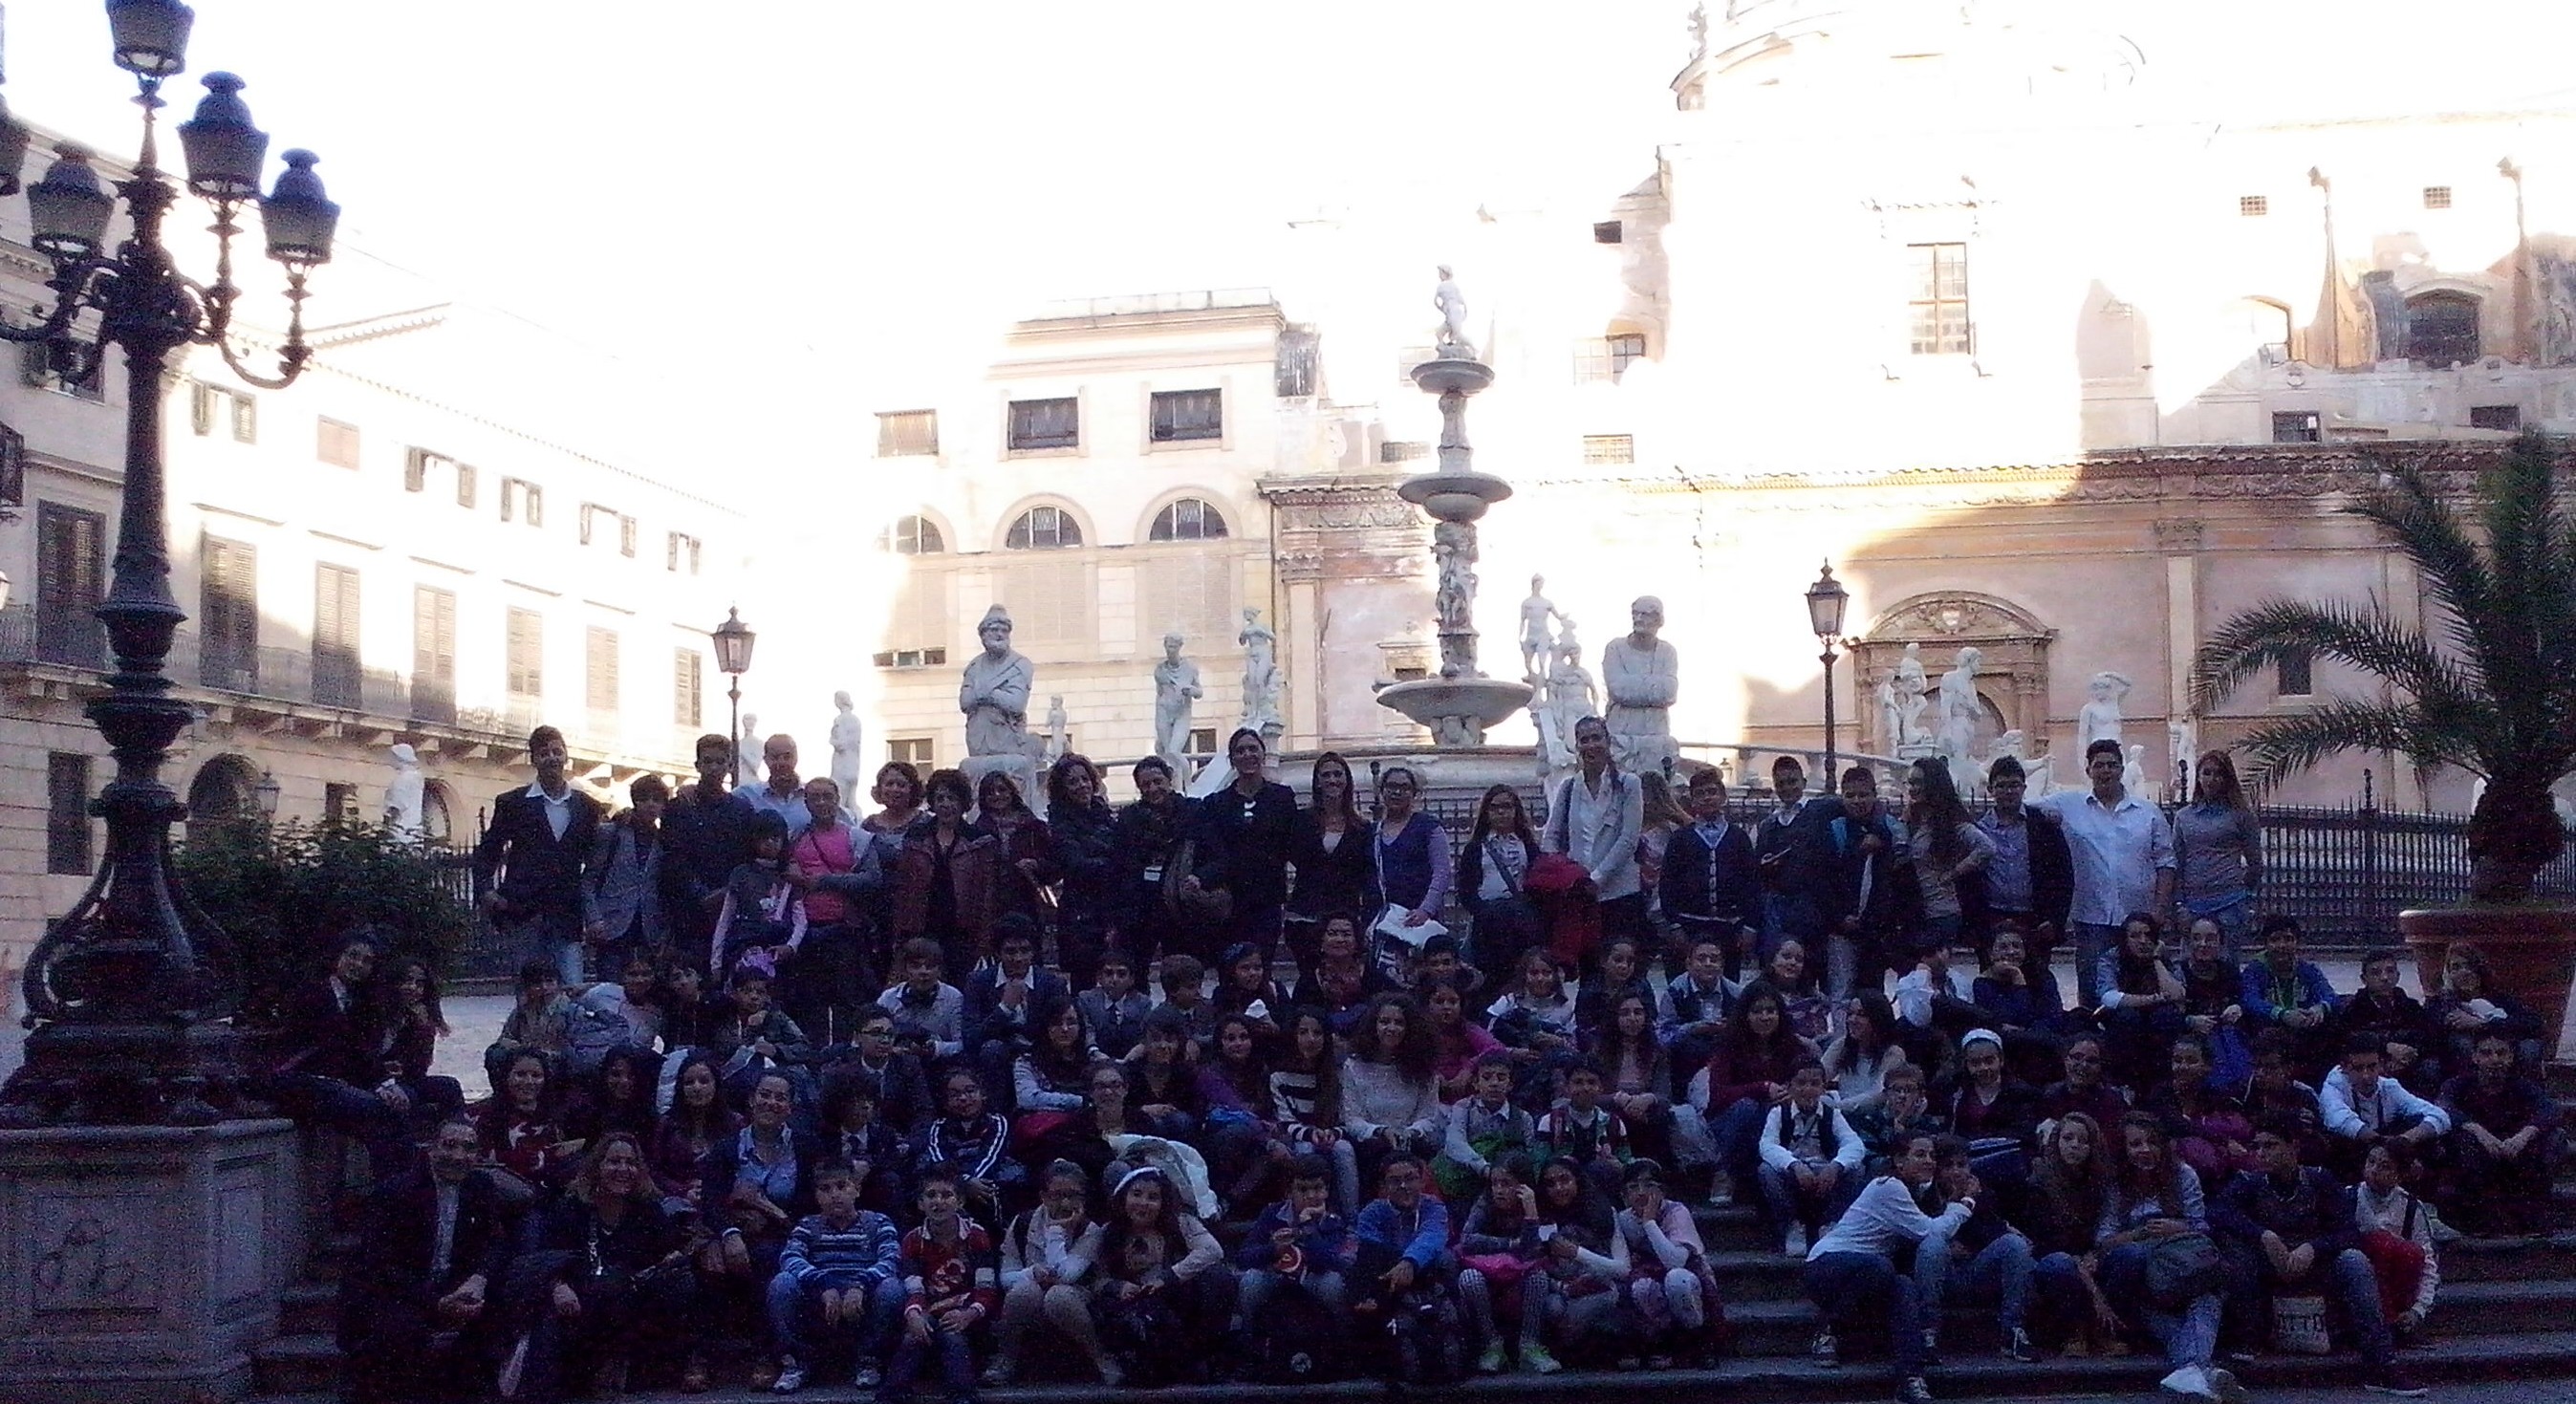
column 1300, row 1240
column 837, row 1273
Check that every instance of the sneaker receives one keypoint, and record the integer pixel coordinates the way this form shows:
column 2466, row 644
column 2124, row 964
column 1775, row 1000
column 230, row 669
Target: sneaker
column 2393, row 1378
column 1491, row 1362
column 867, row 1376
column 1539, row 1360
column 2017, row 1347
column 1721, row 1191
column 764, row 1373
column 1913, row 1391
column 997, row 1374
column 2223, row 1381
column 2189, row 1382
column 791, row 1376
column 1659, row 1362
column 1931, row 1345
column 1824, row 1351
column 1794, row 1242
column 1112, row 1373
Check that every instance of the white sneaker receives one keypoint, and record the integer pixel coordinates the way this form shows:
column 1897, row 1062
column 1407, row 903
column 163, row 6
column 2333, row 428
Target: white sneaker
column 1794, row 1242
column 2224, row 1381
column 2189, row 1382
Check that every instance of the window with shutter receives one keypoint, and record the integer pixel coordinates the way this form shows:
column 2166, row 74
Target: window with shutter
column 416, row 470
column 600, row 670
column 71, row 580
column 335, row 443
column 536, row 505
column 905, row 433
column 527, row 659
column 688, row 687
column 1182, row 415
column 335, row 636
column 1044, row 528
column 201, row 408
column 626, row 536
column 13, row 467
column 1194, row 595
column 67, row 827
column 1189, row 519
column 918, row 618
column 245, row 419
column 433, row 654
column 465, row 485
column 229, row 587
column 1050, row 601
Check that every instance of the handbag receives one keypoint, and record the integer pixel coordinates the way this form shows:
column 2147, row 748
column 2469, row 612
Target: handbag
column 2182, row 1268
column 2299, row 1325
column 1208, row 905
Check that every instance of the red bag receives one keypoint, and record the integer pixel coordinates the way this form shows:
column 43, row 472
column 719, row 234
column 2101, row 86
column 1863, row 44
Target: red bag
column 1563, row 893
column 1503, row 1273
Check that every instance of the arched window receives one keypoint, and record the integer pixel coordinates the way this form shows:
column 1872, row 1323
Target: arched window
column 2442, row 328
column 437, row 819
column 1189, row 519
column 912, row 536
column 224, row 792
column 1044, row 529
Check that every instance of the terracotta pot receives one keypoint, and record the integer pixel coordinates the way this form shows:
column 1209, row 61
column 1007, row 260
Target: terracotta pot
column 2530, row 951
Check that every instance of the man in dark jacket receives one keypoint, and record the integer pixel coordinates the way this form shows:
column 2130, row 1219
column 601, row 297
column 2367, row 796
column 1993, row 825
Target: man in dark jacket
column 417, row 1315
column 529, row 864
column 705, row 836
column 1841, row 861
column 328, row 1073
column 1711, row 885
column 2031, row 878
column 2289, row 1228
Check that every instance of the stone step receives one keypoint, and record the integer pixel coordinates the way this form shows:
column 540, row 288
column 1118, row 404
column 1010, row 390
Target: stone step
column 311, row 1306
column 2548, row 1359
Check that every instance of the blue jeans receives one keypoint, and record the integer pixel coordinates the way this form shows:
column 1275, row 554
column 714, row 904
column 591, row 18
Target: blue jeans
column 2190, row 1336
column 2090, row 942
column 2347, row 1280
column 796, row 1319
column 2002, row 1269
column 553, row 939
column 1847, row 1287
column 1790, row 1205
column 2058, row 1293
column 956, row 1366
column 1738, row 1133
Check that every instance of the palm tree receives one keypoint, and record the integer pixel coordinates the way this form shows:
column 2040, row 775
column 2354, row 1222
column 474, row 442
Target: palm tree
column 2489, row 689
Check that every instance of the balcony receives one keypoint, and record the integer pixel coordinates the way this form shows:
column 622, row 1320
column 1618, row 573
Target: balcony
column 62, row 638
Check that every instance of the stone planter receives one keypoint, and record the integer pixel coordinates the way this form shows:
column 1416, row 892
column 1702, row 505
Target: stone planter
column 2530, row 950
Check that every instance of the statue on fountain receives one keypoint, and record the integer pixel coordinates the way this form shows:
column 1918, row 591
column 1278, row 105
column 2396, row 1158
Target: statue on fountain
column 1643, row 676
column 1536, row 611
column 1453, row 344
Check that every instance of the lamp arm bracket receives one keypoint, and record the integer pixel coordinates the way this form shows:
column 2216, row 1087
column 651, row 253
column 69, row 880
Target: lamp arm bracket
column 215, row 326
column 76, row 287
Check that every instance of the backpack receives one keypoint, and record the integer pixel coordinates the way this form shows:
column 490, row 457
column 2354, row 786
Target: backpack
column 1428, row 1343
column 590, row 1035
column 1295, row 1341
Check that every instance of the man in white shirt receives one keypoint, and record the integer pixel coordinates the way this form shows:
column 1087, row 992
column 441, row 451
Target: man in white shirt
column 2361, row 1108
column 2123, row 855
column 1851, row 1271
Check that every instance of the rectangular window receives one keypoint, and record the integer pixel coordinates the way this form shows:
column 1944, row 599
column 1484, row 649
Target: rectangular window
column 626, row 536
column 201, row 408
column 907, row 433
column 433, row 654
column 40, row 367
column 71, row 580
column 679, row 548
column 1045, row 424
column 67, row 836
column 913, row 751
column 1609, row 448
column 335, row 443
column 1938, row 309
column 465, row 486
column 335, row 636
column 909, row 658
column 2296, row 674
column 527, row 648
column 522, row 500
column 416, row 463
column 1202, row 741
column 2253, row 206
column 2437, row 197
column 228, row 655
column 2505, row 417
column 1183, row 415
column 339, row 802
column 599, row 679
column 1603, row 359
column 688, row 688
column 1608, row 231
column 245, row 419
column 13, row 467
column 2297, row 427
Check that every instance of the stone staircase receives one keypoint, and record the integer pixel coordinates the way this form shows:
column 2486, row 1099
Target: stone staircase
column 2507, row 1311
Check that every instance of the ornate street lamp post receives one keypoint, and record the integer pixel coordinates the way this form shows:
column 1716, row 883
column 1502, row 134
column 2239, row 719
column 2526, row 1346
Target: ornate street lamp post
column 130, row 994
column 1826, row 600
column 733, row 655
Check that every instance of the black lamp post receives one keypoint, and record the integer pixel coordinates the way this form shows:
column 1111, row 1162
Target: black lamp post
column 733, row 655
column 1826, row 601
column 130, row 995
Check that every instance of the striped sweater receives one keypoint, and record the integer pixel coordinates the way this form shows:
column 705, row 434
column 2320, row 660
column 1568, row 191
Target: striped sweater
column 860, row 1256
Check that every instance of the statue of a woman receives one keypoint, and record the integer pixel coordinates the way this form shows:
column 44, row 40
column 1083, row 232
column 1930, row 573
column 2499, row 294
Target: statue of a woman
column 1260, row 674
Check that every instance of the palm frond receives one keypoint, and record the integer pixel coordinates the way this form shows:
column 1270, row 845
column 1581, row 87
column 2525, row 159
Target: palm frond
column 2284, row 746
column 2363, row 635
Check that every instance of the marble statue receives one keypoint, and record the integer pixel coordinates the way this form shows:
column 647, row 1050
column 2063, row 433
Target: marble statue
column 404, row 795
column 1570, row 696
column 1059, row 730
column 1176, row 686
column 1261, row 677
column 1961, row 713
column 2133, row 775
column 748, row 771
column 2100, row 718
column 1452, row 303
column 1536, row 611
column 845, row 748
column 2036, row 778
column 1891, row 720
column 995, row 693
column 1643, row 676
column 1453, row 550
column 1911, row 685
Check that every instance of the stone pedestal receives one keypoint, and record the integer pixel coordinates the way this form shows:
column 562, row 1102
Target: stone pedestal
column 142, row 1264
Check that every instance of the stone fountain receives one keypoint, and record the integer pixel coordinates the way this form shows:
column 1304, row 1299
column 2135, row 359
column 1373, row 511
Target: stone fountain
column 1461, row 703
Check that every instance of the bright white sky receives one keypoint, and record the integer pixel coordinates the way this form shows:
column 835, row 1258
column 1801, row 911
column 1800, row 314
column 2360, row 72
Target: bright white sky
column 863, row 190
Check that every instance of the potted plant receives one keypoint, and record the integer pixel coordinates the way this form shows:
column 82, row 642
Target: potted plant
column 2488, row 688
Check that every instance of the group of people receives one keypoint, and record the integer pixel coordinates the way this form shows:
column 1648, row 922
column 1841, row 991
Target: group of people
column 1212, row 1086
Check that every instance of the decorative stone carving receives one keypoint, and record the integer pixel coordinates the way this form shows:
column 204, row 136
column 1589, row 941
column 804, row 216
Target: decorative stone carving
column 1643, row 676
column 2011, row 673
column 1912, row 685
column 2178, row 536
column 1452, row 303
column 1261, row 678
column 846, row 749
column 1453, row 553
column 1962, row 713
column 1176, row 686
column 747, row 769
column 2099, row 720
column 404, row 795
